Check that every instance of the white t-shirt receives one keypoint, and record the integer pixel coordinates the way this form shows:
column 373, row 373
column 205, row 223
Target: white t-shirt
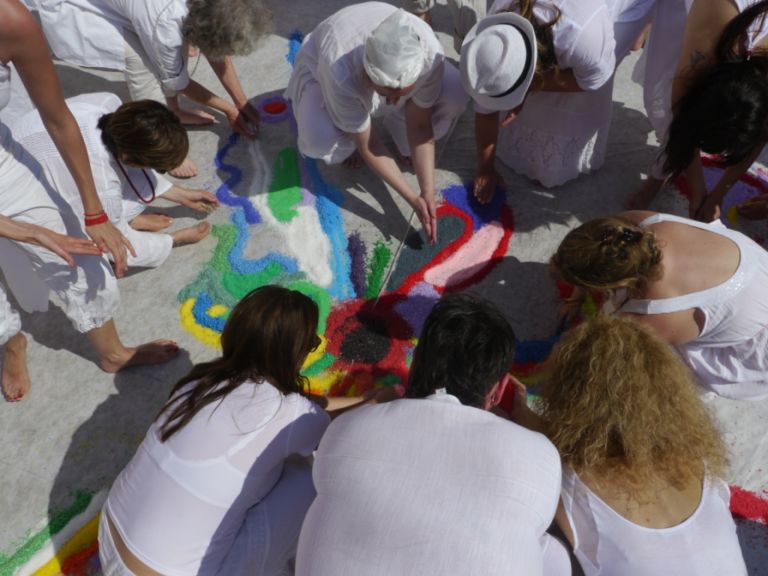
column 115, row 192
column 90, row 33
column 332, row 55
column 705, row 544
column 429, row 487
column 179, row 504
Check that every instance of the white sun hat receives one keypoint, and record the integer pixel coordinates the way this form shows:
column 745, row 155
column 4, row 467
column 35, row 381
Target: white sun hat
column 393, row 56
column 498, row 59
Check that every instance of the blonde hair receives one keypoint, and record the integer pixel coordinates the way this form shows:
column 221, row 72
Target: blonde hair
column 608, row 253
column 618, row 401
column 546, row 60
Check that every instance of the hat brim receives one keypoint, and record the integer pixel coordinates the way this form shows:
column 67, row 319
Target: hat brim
column 517, row 96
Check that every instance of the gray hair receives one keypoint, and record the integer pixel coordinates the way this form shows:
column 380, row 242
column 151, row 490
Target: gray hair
column 226, row 27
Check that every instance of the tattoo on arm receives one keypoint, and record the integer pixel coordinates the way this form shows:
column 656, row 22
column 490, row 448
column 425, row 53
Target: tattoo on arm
column 697, row 58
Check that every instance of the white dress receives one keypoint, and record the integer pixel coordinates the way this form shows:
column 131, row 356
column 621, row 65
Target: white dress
column 218, row 496
column 332, row 96
column 115, row 191
column 430, row 487
column 559, row 135
column 88, row 291
column 730, row 356
column 605, row 543
column 116, row 30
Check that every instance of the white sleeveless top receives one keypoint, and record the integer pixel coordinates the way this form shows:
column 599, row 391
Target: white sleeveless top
column 759, row 28
column 730, row 355
column 179, row 504
column 606, row 543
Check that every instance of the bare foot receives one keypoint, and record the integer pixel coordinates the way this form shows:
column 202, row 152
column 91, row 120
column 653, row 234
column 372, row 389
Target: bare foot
column 151, row 222
column 643, row 196
column 192, row 234
column 186, row 169
column 354, row 161
column 15, row 383
column 193, row 117
column 155, row 352
column 426, row 16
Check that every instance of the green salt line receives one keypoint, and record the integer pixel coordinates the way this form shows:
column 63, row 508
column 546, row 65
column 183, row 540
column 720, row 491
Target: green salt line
column 321, row 298
column 285, row 191
column 389, row 380
column 238, row 285
column 227, row 235
column 9, row 564
column 377, row 268
column 320, row 366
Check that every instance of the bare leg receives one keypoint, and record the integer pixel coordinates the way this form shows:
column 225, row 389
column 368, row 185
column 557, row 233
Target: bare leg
column 114, row 355
column 643, row 196
column 192, row 234
column 15, row 383
column 151, row 222
column 186, row 169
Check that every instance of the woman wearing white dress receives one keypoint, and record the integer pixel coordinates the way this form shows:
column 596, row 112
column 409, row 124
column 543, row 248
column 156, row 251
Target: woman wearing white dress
column 642, row 490
column 89, row 290
column 700, row 286
column 221, row 482
column 559, row 127
column 128, row 144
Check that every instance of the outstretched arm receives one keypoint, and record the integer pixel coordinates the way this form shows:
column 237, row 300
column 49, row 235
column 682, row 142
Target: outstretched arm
column 248, row 119
column 64, row 246
column 22, row 42
column 421, row 139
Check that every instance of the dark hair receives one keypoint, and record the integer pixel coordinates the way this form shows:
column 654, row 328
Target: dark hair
column 268, row 335
column 146, row 134
column 608, row 253
column 466, row 346
column 725, row 110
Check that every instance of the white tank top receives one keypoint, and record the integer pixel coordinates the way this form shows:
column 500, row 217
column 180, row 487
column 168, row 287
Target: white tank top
column 606, row 543
column 758, row 29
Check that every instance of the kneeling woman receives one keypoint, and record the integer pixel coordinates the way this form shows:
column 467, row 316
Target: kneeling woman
column 642, row 460
column 700, row 286
column 211, row 489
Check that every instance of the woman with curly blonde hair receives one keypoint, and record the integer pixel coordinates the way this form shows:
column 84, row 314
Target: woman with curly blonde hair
column 700, row 286
column 642, row 459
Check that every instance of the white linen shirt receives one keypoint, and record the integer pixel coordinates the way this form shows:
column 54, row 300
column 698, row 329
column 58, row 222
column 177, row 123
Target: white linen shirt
column 90, row 33
column 429, row 487
column 332, row 55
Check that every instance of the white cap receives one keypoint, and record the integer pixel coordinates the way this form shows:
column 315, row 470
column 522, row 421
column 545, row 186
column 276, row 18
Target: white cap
column 393, row 56
column 498, row 59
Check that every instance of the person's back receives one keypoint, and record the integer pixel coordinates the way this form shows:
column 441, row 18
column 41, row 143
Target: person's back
column 429, row 487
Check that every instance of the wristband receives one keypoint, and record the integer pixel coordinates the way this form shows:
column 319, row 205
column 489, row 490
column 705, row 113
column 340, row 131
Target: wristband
column 96, row 219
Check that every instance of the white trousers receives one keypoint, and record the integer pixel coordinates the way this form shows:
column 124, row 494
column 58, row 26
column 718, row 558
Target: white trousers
column 88, row 292
column 140, row 75
column 320, row 138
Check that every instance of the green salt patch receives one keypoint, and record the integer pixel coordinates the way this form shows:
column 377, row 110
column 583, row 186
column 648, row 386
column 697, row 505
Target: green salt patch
column 389, row 380
column 285, row 191
column 227, row 235
column 238, row 285
column 377, row 268
column 9, row 564
column 321, row 298
column 320, row 366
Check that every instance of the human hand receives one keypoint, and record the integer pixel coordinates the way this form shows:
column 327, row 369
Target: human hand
column 511, row 116
column 245, row 120
column 199, row 200
column 708, row 210
column 426, row 210
column 754, row 209
column 110, row 239
column 486, row 182
column 61, row 245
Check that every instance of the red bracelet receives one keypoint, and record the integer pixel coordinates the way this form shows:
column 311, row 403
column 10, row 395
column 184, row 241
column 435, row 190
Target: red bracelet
column 97, row 219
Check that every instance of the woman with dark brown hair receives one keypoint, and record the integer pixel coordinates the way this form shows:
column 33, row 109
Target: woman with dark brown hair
column 700, row 286
column 221, row 484
column 129, row 145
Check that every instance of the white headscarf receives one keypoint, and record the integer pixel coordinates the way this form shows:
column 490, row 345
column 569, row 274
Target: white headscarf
column 393, row 56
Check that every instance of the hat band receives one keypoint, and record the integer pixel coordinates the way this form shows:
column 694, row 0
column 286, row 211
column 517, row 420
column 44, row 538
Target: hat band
column 526, row 66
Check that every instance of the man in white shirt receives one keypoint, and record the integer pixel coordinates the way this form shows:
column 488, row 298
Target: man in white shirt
column 372, row 60
column 434, row 484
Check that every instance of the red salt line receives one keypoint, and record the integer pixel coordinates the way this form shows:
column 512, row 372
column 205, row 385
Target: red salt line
column 748, row 505
column 76, row 564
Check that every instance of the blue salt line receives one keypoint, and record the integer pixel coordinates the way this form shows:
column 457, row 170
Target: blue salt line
column 224, row 192
column 200, row 312
column 245, row 266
